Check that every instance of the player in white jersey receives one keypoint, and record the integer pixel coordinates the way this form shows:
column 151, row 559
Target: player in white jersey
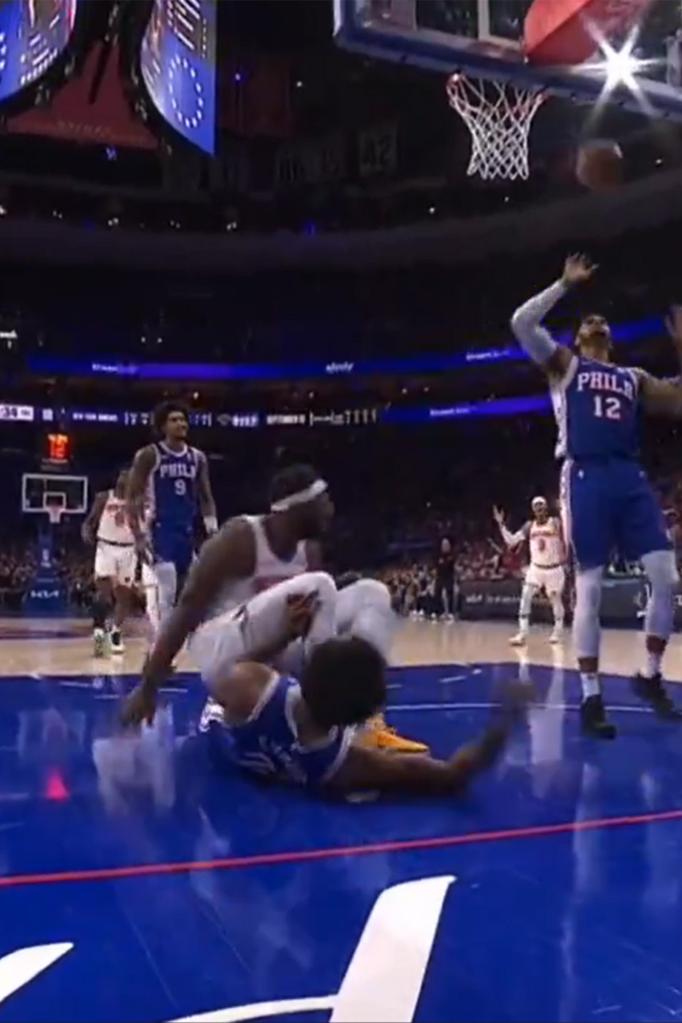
column 246, row 577
column 546, row 567
column 107, row 525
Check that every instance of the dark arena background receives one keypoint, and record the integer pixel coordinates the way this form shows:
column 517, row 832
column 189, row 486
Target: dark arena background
column 270, row 213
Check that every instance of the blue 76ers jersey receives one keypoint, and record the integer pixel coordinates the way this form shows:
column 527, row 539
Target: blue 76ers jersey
column 597, row 410
column 268, row 744
column 173, row 488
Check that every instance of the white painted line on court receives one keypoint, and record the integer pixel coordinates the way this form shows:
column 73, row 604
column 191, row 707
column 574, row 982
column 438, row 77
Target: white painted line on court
column 489, row 706
column 453, row 678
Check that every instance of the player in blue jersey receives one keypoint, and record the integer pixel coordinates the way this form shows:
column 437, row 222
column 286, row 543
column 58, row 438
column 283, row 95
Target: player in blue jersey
column 304, row 731
column 607, row 501
column 169, row 481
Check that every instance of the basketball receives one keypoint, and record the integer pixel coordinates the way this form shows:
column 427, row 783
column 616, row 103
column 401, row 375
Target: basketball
column 600, row 165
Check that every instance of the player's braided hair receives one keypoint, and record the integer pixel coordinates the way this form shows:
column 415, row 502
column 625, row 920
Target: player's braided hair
column 165, row 409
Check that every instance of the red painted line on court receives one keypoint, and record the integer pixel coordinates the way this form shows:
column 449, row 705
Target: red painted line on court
column 334, row 852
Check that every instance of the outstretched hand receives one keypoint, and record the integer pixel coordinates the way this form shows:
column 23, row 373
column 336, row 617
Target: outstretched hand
column 498, row 515
column 578, row 268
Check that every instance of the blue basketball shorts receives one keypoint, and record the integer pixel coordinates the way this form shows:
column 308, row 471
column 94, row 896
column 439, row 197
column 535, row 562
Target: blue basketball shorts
column 609, row 508
column 174, row 547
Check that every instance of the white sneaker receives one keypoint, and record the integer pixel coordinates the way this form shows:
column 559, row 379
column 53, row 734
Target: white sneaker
column 100, row 643
column 520, row 639
column 556, row 634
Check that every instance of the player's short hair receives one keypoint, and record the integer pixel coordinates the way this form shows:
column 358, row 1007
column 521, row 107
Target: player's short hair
column 165, row 409
column 292, row 480
column 344, row 682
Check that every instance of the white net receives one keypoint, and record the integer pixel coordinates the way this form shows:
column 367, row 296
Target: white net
column 499, row 116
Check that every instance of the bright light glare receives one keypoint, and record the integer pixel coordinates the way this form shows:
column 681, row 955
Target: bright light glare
column 621, row 66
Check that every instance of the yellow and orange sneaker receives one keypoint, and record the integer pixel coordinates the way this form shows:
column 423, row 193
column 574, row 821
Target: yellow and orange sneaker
column 379, row 735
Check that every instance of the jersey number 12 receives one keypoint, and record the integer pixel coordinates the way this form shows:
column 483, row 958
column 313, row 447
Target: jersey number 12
column 606, row 408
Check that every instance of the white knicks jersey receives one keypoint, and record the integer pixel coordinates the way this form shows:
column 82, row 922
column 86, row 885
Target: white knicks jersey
column 113, row 524
column 268, row 571
column 546, row 543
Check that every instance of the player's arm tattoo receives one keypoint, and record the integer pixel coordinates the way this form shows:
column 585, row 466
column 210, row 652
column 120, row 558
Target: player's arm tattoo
column 661, row 397
column 91, row 523
column 138, row 478
column 230, row 554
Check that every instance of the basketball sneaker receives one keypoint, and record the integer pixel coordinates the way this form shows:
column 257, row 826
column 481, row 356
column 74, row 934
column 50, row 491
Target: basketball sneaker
column 379, row 735
column 556, row 634
column 593, row 719
column 116, row 642
column 520, row 639
column 652, row 691
column 100, row 644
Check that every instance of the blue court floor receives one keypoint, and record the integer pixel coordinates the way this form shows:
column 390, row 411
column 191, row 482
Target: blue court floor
column 136, row 884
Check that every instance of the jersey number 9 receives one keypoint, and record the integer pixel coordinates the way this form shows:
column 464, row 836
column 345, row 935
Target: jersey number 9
column 180, row 488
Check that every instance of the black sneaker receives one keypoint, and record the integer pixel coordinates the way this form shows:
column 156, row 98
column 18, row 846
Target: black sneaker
column 652, row 691
column 593, row 719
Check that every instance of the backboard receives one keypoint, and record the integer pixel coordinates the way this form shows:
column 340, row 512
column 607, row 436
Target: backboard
column 485, row 39
column 41, row 492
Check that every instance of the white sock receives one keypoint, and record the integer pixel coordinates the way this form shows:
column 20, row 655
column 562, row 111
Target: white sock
column 524, row 624
column 589, row 680
column 652, row 664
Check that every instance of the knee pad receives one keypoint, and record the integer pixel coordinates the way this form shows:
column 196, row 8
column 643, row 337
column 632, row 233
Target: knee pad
column 661, row 569
column 588, row 587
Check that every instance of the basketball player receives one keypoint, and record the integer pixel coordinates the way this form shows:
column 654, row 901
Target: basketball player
column 444, row 592
column 607, row 501
column 243, row 585
column 168, row 479
column 545, row 571
column 115, row 562
column 306, row 732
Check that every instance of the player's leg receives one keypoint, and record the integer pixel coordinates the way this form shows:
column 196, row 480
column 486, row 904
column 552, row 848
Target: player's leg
column 643, row 537
column 167, row 587
column 105, row 573
column 556, row 582
column 364, row 609
column 126, row 563
column 529, row 590
column 247, row 631
column 586, row 512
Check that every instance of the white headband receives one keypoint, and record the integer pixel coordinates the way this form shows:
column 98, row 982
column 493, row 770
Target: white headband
column 300, row 497
column 538, row 501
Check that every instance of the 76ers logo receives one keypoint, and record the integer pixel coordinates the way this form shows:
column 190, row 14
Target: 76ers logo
column 383, row 979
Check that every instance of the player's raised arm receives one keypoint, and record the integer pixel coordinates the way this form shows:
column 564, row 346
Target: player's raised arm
column 138, row 482
column 230, row 554
column 664, row 397
column 526, row 322
column 511, row 539
column 206, row 499
column 91, row 523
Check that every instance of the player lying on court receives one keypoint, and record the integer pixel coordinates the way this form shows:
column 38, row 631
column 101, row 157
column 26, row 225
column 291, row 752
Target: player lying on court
column 546, row 569
column 305, row 731
column 115, row 565
column 607, row 501
column 239, row 588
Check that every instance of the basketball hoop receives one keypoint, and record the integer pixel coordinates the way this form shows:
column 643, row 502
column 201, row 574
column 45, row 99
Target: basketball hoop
column 498, row 116
column 54, row 506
